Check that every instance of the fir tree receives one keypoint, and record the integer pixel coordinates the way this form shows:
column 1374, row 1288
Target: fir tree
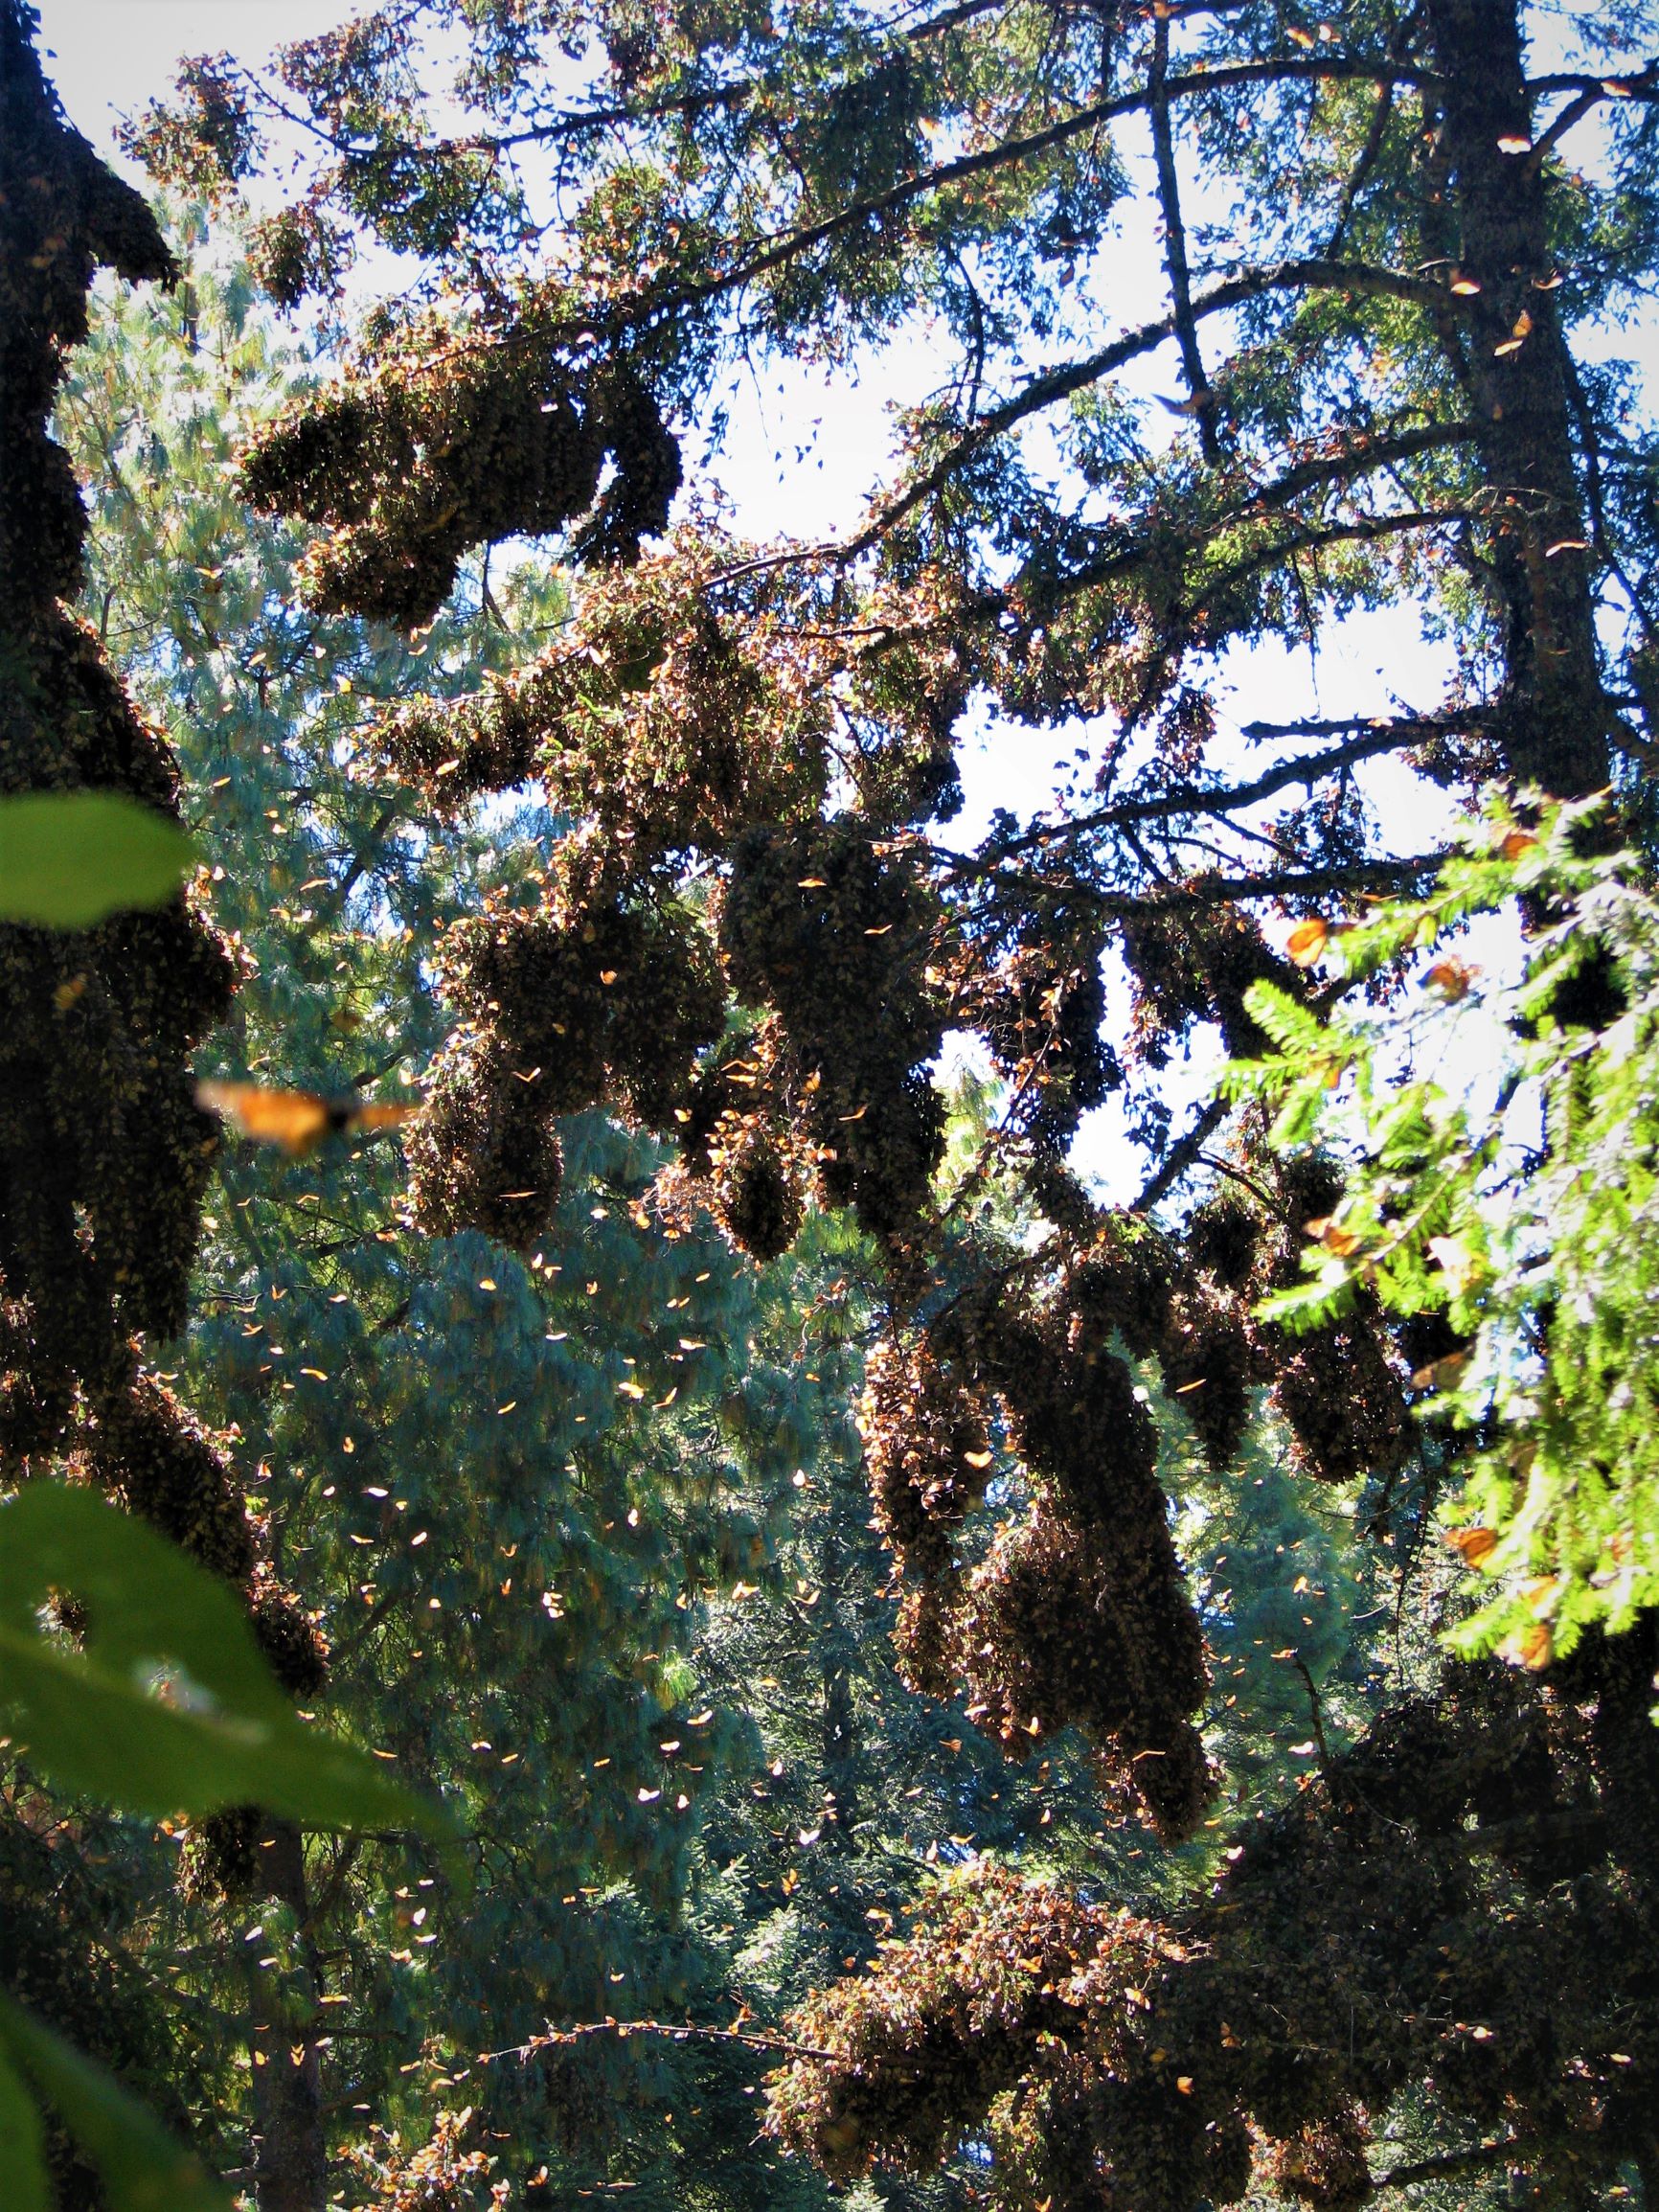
column 746, row 936
column 462, row 1453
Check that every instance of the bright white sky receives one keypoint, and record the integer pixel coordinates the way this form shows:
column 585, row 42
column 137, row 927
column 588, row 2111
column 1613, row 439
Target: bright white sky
column 112, row 55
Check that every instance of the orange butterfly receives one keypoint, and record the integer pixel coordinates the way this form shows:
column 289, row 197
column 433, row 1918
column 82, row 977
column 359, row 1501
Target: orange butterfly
column 1472, row 1545
column 296, row 1120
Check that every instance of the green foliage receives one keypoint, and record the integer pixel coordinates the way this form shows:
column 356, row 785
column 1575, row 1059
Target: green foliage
column 509, row 1411
column 165, row 1706
column 866, row 1792
column 1283, row 1594
column 22, row 2146
column 141, row 2170
column 533, row 1475
column 808, row 186
column 68, row 858
column 1502, row 1134
column 507, row 1485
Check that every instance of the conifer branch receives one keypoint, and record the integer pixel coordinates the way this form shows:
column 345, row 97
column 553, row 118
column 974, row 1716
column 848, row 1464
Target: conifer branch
column 1477, row 2157
column 1056, row 384
column 1180, row 1156
column 1343, row 878
column 679, row 2032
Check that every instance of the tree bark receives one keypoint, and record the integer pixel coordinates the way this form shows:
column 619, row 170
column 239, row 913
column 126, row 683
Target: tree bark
column 291, row 2163
column 1556, row 728
column 839, row 1729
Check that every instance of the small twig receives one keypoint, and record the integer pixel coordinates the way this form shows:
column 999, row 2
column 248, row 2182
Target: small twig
column 677, row 2032
column 1478, row 2155
column 1301, row 1667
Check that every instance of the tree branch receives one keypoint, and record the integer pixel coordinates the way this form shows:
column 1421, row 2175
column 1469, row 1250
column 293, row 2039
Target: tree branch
column 362, row 860
column 1055, row 384
column 1203, row 400
column 1360, row 174
column 575, row 121
column 651, row 308
column 1180, row 1156
column 1349, row 878
column 1642, row 86
column 553, row 2039
column 1471, row 2160
column 1595, row 487
column 1307, row 768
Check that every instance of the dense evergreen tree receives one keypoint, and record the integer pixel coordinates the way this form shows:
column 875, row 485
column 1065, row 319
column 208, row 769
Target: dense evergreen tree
column 509, row 1600
column 739, row 929
column 360, row 1367
column 589, row 1621
column 1382, row 397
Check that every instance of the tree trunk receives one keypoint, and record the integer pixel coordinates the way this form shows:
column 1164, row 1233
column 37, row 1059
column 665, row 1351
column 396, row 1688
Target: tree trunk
column 1555, row 730
column 839, row 1733
column 291, row 2163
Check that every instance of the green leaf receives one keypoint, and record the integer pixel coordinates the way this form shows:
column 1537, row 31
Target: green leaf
column 170, row 1707
column 68, row 859
column 1297, row 1119
column 21, row 2153
column 142, row 2168
column 1286, row 1022
column 1309, row 1304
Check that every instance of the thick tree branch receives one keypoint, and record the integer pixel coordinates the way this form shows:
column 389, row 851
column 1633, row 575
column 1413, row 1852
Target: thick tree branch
column 1305, row 537
column 362, row 860
column 1360, row 174
column 1642, row 86
column 861, row 213
column 575, row 122
column 1595, row 489
column 649, row 309
column 679, row 2032
column 1498, row 2152
column 1349, row 878
column 1202, row 399
column 1182, row 1154
column 1288, row 68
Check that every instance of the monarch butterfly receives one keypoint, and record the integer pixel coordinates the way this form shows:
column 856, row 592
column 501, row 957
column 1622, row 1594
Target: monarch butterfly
column 296, row 1120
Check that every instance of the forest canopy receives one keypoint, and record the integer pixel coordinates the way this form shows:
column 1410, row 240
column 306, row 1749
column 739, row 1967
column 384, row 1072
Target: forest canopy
column 997, row 1622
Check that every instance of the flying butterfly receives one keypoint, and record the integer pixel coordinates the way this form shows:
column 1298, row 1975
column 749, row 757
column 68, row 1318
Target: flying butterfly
column 295, row 1120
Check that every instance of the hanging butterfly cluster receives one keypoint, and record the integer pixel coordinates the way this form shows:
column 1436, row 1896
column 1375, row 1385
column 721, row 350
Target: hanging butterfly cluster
column 104, row 1153
column 1254, row 2032
column 742, row 940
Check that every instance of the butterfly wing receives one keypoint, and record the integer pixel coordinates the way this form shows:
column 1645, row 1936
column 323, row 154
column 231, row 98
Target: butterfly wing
column 379, row 1117
column 293, row 1119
